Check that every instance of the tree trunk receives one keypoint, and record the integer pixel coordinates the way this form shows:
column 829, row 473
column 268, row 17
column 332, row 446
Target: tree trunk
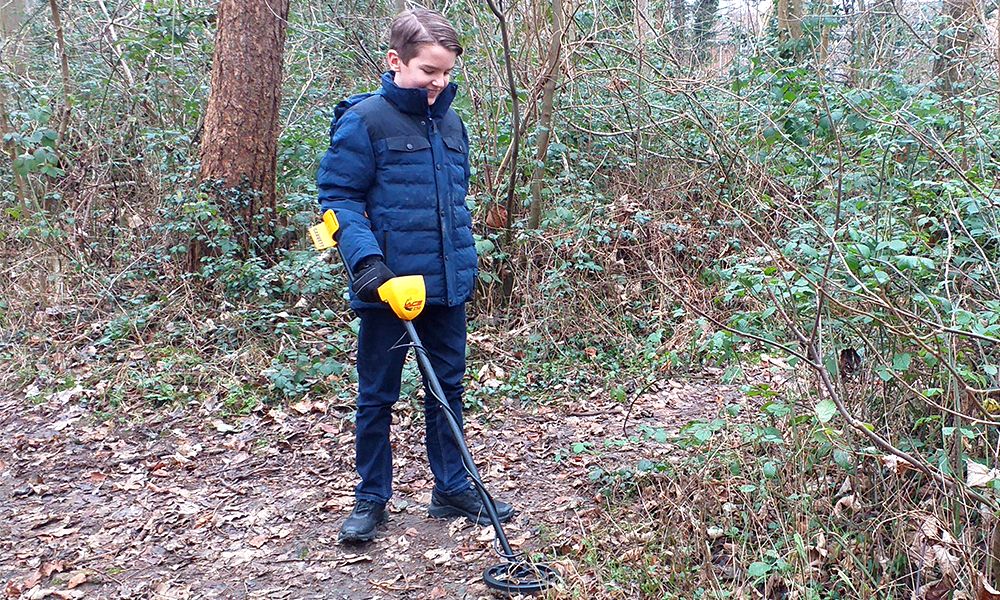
column 795, row 16
column 545, row 116
column 11, row 18
column 790, row 19
column 64, row 69
column 958, row 30
column 705, row 15
column 678, row 12
column 240, row 140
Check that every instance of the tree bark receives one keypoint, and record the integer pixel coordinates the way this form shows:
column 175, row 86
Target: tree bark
column 64, row 68
column 678, row 12
column 240, row 140
column 958, row 30
column 795, row 15
column 11, row 18
column 545, row 115
column 790, row 19
column 506, row 269
column 705, row 15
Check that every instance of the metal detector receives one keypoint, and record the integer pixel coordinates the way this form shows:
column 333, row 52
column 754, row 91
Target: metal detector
column 405, row 295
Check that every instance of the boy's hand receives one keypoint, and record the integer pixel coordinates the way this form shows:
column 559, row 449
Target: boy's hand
column 369, row 275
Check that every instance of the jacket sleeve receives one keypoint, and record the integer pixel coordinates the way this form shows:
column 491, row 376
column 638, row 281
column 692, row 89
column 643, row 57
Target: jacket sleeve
column 345, row 175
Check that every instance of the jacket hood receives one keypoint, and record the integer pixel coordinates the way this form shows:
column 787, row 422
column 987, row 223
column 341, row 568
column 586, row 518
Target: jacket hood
column 344, row 105
column 414, row 101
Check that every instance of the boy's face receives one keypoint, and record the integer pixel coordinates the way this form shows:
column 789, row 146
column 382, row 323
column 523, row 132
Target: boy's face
column 430, row 69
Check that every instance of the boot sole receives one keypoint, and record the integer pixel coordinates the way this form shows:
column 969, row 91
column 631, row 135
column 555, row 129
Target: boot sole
column 357, row 539
column 447, row 512
column 362, row 537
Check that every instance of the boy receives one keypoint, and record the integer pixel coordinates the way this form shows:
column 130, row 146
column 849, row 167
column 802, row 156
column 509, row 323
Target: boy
column 396, row 175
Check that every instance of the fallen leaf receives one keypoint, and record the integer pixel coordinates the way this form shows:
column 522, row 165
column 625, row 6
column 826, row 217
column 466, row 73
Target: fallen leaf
column 76, row 580
column 222, row 427
column 303, row 407
column 61, row 532
column 257, row 541
column 438, row 556
column 978, row 475
column 936, row 591
column 66, row 395
column 496, row 217
column 62, row 594
column 64, row 423
column 31, row 580
column 486, row 534
column 896, row 464
column 985, row 591
column 845, row 504
column 12, row 589
column 48, row 568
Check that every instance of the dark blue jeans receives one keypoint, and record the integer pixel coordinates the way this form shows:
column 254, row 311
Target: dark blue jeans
column 442, row 331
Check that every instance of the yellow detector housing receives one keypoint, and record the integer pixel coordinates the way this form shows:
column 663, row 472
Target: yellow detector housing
column 322, row 235
column 405, row 295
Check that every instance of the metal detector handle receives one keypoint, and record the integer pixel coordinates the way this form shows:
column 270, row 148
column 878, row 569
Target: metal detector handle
column 326, row 235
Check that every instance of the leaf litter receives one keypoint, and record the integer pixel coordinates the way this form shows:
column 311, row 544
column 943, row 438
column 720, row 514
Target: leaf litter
column 188, row 504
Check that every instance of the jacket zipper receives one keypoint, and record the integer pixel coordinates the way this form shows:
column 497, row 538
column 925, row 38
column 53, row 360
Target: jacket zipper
column 437, row 188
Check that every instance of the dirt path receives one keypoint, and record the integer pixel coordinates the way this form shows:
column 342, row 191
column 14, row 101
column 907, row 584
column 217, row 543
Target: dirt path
column 185, row 504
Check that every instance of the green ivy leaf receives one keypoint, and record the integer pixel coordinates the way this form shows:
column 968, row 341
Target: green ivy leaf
column 825, row 410
column 758, row 569
column 843, row 460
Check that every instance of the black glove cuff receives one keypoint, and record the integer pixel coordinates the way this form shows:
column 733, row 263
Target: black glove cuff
column 366, row 263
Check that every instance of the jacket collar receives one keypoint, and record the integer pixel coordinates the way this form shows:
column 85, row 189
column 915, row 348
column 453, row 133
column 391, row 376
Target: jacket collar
column 414, row 101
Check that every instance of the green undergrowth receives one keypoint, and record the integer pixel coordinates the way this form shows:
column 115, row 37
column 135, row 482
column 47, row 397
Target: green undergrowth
column 771, row 498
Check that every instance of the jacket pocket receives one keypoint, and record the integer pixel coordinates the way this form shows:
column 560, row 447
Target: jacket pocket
column 407, row 143
column 456, row 150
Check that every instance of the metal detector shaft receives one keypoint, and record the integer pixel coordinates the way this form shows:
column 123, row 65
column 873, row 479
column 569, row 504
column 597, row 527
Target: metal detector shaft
column 456, row 430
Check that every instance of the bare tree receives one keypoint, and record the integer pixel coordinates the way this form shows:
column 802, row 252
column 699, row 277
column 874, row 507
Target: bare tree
column 64, row 68
column 790, row 18
column 956, row 35
column 545, row 116
column 11, row 18
column 239, row 144
column 678, row 12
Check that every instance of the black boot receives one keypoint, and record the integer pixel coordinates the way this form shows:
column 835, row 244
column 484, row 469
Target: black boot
column 467, row 504
column 361, row 524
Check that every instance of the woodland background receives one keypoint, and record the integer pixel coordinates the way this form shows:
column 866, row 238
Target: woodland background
column 800, row 200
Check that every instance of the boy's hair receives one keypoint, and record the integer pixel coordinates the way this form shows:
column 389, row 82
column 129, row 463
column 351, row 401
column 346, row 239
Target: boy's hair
column 418, row 27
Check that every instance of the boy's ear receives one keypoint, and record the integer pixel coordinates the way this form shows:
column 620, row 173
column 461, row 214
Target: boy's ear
column 395, row 62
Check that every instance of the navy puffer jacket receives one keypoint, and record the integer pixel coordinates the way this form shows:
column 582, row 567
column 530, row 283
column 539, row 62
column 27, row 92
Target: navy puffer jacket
column 396, row 174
